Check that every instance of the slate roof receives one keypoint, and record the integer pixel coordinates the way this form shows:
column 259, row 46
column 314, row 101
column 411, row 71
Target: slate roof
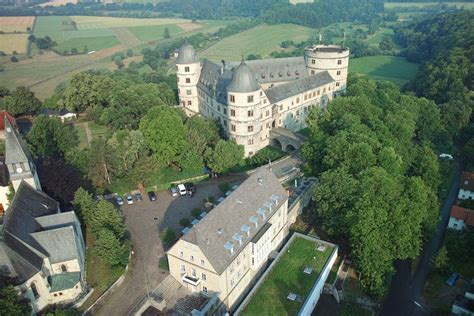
column 186, row 55
column 276, row 69
column 226, row 219
column 292, row 88
column 22, row 255
column 57, row 220
column 15, row 147
column 64, row 281
column 243, row 79
column 59, row 243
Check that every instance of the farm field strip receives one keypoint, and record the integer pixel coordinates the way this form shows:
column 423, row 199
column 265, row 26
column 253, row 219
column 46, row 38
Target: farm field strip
column 390, row 5
column 10, row 24
column 262, row 39
column 56, row 3
column 13, row 42
column 126, row 37
column 94, row 22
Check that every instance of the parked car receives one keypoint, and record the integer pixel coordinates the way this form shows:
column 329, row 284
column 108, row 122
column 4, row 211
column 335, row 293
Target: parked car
column 452, row 279
column 119, row 200
column 446, row 156
column 138, row 196
column 182, row 189
column 190, row 187
column 129, row 199
column 174, row 191
column 152, row 196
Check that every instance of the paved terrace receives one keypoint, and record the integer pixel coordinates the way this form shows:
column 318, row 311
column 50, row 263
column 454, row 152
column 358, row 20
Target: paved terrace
column 287, row 275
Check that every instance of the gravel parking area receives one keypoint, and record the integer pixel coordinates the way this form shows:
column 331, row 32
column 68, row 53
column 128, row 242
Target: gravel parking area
column 145, row 219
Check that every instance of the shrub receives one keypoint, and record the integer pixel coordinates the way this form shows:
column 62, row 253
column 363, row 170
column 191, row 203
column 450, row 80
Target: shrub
column 163, row 263
column 168, row 236
column 13, row 59
column 224, row 187
column 196, row 212
column 185, row 222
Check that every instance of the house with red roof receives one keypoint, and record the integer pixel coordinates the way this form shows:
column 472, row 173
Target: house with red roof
column 466, row 187
column 460, row 218
column 3, row 115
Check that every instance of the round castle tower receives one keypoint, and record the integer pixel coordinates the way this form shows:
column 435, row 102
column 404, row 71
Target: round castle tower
column 333, row 58
column 243, row 100
column 188, row 70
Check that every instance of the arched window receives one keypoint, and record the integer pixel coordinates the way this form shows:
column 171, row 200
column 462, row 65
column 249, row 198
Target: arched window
column 34, row 290
column 63, row 268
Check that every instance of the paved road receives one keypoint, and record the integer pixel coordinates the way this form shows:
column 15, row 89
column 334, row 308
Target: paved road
column 405, row 294
column 144, row 220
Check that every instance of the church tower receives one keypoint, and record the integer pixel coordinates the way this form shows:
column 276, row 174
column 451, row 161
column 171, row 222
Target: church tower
column 188, row 70
column 18, row 159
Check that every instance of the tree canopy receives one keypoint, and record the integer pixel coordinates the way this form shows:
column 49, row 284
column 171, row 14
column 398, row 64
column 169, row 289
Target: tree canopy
column 21, row 101
column 372, row 151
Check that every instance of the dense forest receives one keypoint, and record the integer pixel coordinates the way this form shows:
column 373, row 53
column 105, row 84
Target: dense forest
column 444, row 44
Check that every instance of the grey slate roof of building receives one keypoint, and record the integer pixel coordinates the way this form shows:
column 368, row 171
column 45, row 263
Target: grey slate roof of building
column 25, row 240
column 286, row 90
column 15, row 147
column 226, row 219
column 59, row 243
column 186, row 55
column 243, row 79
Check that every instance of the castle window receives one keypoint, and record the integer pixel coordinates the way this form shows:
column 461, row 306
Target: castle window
column 232, row 112
column 338, row 72
column 189, row 102
column 232, row 98
column 188, row 92
column 250, row 113
column 182, row 268
column 250, row 99
column 250, row 128
column 204, row 277
column 267, row 113
column 188, row 80
column 297, row 100
column 313, row 61
column 261, row 93
column 183, row 103
column 319, row 92
column 204, row 289
column 193, row 272
column 225, row 111
column 202, row 262
column 339, row 62
column 191, row 258
column 181, row 254
column 251, row 153
column 186, row 69
column 305, row 97
column 312, row 72
column 250, row 141
column 63, row 268
column 337, row 84
column 232, row 127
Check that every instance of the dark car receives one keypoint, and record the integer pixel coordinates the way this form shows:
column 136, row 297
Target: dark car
column 151, row 196
column 452, row 279
column 138, row 196
column 190, row 187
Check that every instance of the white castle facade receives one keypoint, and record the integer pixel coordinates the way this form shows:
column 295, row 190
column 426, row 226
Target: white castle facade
column 250, row 98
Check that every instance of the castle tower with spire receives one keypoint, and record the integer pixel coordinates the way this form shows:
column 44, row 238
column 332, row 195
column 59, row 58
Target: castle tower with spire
column 188, row 70
column 18, row 159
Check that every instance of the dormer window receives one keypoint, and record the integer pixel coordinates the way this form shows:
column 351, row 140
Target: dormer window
column 63, row 268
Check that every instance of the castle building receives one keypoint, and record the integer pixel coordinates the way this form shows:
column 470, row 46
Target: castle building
column 250, row 98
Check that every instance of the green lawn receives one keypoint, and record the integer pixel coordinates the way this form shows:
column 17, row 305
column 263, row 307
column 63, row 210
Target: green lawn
column 262, row 40
column 390, row 68
column 81, row 133
column 97, row 130
column 53, row 26
column 155, row 32
column 288, row 276
column 375, row 39
column 92, row 43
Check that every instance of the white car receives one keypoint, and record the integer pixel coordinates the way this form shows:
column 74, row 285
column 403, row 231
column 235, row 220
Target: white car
column 447, row 156
column 129, row 199
column 182, row 189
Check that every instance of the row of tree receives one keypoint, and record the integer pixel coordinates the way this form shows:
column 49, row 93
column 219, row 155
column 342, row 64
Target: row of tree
column 373, row 153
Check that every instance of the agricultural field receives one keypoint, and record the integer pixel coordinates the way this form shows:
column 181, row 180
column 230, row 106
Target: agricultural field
column 91, row 43
column 300, row 1
column 100, row 22
column 149, row 33
column 56, row 3
column 262, row 40
column 10, row 43
column 391, row 5
column 11, row 24
column 395, row 69
column 13, row 33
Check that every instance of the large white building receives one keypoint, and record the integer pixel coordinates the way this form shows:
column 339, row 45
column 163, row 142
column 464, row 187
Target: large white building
column 250, row 98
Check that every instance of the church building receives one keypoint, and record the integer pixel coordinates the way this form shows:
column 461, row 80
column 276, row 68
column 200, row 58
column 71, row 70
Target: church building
column 250, row 98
